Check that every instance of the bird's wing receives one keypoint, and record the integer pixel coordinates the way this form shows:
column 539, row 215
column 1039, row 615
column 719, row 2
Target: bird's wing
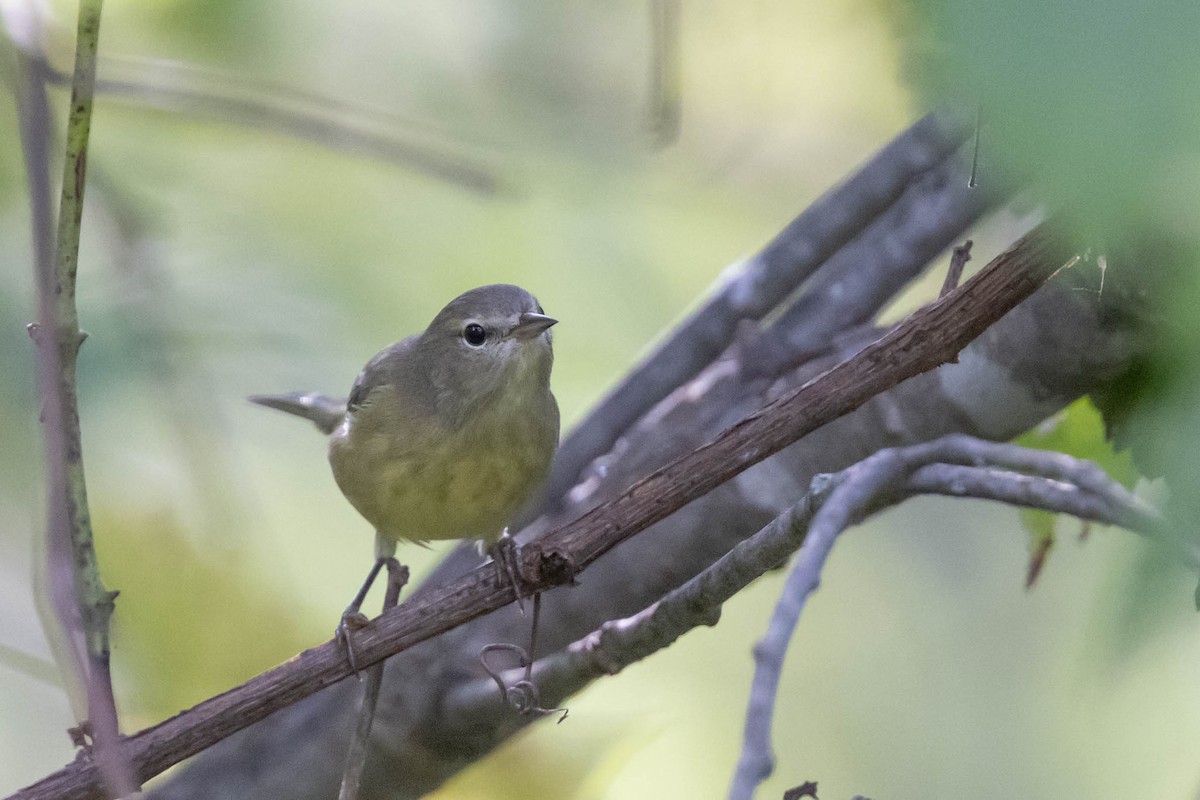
column 384, row 369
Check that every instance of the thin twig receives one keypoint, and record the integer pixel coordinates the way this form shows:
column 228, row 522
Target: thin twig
column 95, row 601
column 958, row 261
column 57, row 604
column 806, row 789
column 356, row 758
column 852, row 496
column 971, row 183
column 280, row 109
column 666, row 81
column 520, row 692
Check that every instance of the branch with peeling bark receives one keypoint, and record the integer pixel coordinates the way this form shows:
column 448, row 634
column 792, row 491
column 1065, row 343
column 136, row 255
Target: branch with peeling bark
column 931, row 336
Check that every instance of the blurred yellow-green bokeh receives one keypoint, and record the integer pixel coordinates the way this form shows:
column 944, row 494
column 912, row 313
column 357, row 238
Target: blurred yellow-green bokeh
column 224, row 256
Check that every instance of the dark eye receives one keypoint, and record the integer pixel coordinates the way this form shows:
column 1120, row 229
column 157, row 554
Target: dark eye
column 474, row 334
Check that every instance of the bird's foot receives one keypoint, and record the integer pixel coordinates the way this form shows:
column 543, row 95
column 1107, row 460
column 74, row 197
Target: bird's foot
column 352, row 620
column 506, row 558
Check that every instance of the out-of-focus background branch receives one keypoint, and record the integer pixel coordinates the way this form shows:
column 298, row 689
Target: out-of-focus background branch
column 281, row 264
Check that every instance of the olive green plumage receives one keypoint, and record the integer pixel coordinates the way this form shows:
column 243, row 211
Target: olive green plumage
column 447, row 433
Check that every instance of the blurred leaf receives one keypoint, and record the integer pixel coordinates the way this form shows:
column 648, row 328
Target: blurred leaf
column 1120, row 402
column 1145, row 593
column 1079, row 431
column 1039, row 525
column 1098, row 98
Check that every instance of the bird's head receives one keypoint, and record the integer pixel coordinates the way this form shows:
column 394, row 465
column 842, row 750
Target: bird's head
column 489, row 340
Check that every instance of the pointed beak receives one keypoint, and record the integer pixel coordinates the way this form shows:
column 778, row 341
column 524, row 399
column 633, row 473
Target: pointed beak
column 532, row 325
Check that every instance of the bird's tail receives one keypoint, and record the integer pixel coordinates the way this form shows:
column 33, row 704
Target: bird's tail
column 322, row 410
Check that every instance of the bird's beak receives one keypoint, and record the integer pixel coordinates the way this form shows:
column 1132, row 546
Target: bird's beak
column 532, row 325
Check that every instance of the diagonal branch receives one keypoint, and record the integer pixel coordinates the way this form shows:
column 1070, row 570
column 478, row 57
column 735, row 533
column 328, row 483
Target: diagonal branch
column 929, row 337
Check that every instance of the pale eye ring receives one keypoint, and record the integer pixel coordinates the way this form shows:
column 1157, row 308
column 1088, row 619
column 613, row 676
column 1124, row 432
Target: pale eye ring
column 474, row 335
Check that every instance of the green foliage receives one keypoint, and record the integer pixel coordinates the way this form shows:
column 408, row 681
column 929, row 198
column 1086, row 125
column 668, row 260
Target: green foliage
column 1097, row 101
column 1079, row 431
column 1039, row 526
column 1146, row 586
column 1121, row 404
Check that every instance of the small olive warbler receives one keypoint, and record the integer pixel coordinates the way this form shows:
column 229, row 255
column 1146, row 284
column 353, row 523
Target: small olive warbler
column 447, row 433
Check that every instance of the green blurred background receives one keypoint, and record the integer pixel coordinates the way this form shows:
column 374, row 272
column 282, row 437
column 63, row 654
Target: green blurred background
column 221, row 259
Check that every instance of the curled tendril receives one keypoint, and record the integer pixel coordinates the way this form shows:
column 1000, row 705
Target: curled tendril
column 523, row 696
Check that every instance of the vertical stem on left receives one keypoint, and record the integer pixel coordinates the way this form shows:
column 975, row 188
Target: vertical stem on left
column 79, row 596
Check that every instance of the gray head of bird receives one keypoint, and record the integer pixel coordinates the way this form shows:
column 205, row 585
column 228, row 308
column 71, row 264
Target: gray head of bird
column 490, row 340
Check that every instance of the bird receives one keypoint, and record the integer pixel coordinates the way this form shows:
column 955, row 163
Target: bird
column 447, row 433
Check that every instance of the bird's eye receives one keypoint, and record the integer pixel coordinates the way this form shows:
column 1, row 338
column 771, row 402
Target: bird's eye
column 474, row 335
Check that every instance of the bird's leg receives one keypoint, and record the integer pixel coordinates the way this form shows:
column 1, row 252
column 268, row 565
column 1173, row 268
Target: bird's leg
column 356, row 758
column 508, row 566
column 352, row 617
